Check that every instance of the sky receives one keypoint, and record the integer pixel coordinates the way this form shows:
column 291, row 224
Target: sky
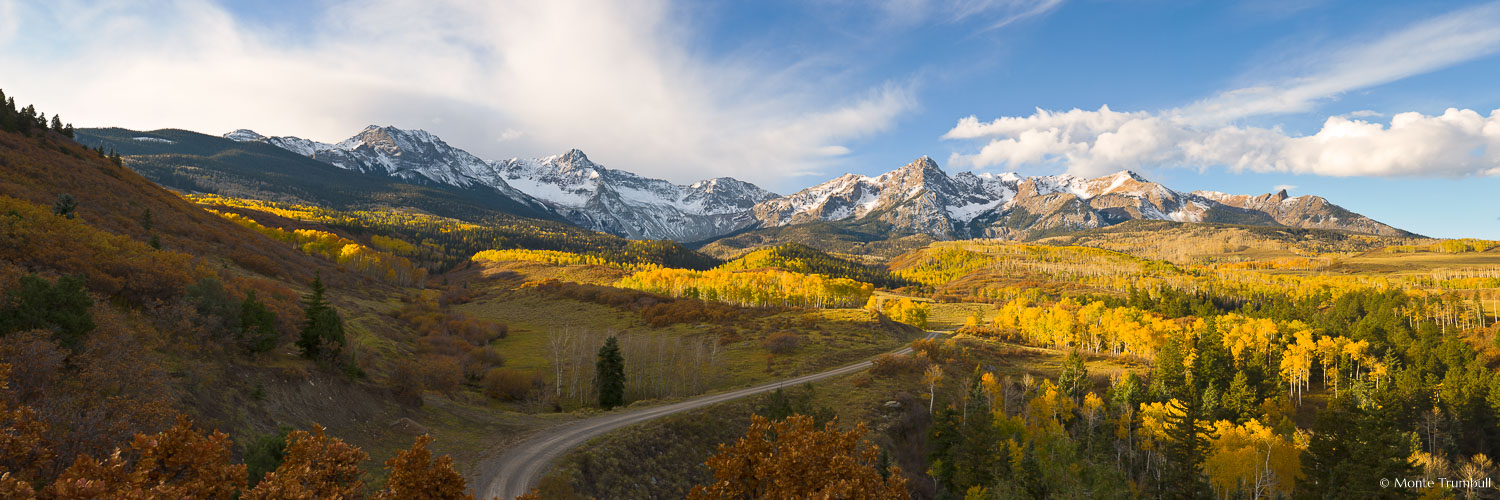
column 1388, row 109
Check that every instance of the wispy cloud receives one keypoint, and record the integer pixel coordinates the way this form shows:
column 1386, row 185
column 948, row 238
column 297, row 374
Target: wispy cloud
column 1422, row 47
column 1457, row 142
column 990, row 14
column 619, row 80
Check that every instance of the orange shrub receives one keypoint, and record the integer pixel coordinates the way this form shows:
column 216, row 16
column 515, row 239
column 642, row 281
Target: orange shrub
column 441, row 373
column 508, row 384
column 887, row 365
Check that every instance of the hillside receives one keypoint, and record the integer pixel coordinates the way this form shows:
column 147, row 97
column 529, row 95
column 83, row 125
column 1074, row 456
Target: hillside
column 1198, row 243
column 197, row 163
column 117, row 200
column 918, row 198
column 124, row 306
column 801, row 258
column 195, row 306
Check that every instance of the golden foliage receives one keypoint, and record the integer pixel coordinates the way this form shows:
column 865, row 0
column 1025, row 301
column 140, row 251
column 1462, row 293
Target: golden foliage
column 1254, row 459
column 180, row 462
column 315, row 466
column 415, row 475
column 761, row 288
column 794, row 459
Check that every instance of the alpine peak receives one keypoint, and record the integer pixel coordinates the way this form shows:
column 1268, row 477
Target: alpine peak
column 917, row 198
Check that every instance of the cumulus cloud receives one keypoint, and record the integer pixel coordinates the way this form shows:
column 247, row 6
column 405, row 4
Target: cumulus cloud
column 1458, row 142
column 619, row 80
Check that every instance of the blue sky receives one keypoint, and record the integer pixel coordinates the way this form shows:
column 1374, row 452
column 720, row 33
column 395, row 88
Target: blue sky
column 1241, row 97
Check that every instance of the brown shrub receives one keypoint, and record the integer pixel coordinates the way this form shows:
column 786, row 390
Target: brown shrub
column 441, row 373
column 782, row 342
column 508, row 384
column 446, row 345
column 406, row 380
column 478, row 362
column 886, row 365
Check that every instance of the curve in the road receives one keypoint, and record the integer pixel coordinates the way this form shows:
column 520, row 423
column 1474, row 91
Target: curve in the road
column 521, row 466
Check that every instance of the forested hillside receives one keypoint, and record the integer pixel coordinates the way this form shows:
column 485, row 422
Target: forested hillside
column 197, row 163
column 136, row 321
column 801, row 258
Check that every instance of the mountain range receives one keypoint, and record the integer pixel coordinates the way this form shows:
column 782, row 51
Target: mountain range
column 918, row 198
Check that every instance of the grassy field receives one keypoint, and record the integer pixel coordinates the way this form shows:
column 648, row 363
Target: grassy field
column 1384, row 262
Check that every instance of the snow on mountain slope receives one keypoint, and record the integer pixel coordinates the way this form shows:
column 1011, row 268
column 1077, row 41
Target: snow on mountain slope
column 920, row 198
column 569, row 184
column 1313, row 212
column 917, row 198
column 630, row 205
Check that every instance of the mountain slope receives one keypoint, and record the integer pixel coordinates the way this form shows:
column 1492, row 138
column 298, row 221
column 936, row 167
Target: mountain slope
column 199, row 163
column 193, row 162
column 1306, row 212
column 919, row 198
column 630, row 205
column 569, row 184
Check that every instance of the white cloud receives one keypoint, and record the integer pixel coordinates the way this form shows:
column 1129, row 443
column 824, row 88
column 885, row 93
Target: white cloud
column 1419, row 48
column 509, row 134
column 1458, row 142
column 1283, row 187
column 1454, row 143
column 9, row 21
column 992, row 14
column 620, row 81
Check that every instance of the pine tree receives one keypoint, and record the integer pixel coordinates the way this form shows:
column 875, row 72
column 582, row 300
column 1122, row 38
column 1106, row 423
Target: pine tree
column 63, row 307
column 944, row 438
column 1167, row 375
column 257, row 324
column 323, row 330
column 1213, row 366
column 65, row 205
column 1187, row 447
column 1351, row 451
column 57, row 125
column 609, row 375
column 1074, row 379
column 1240, row 398
column 146, row 221
column 975, row 461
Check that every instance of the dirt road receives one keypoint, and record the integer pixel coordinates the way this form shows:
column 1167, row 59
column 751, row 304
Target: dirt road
column 518, row 469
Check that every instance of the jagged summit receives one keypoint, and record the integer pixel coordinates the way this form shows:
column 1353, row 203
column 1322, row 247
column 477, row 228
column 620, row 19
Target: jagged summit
column 569, row 184
column 244, row 135
column 915, row 198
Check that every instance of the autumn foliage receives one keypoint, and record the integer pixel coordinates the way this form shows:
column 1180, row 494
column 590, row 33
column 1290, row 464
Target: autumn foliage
column 792, row 458
column 415, row 475
column 759, row 288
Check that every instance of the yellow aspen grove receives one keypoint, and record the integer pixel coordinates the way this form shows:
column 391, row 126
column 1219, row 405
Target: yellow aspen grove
column 757, row 288
column 1253, row 460
column 1296, row 363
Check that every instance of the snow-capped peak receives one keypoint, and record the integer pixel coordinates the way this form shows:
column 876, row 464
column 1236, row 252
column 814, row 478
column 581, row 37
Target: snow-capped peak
column 244, row 135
